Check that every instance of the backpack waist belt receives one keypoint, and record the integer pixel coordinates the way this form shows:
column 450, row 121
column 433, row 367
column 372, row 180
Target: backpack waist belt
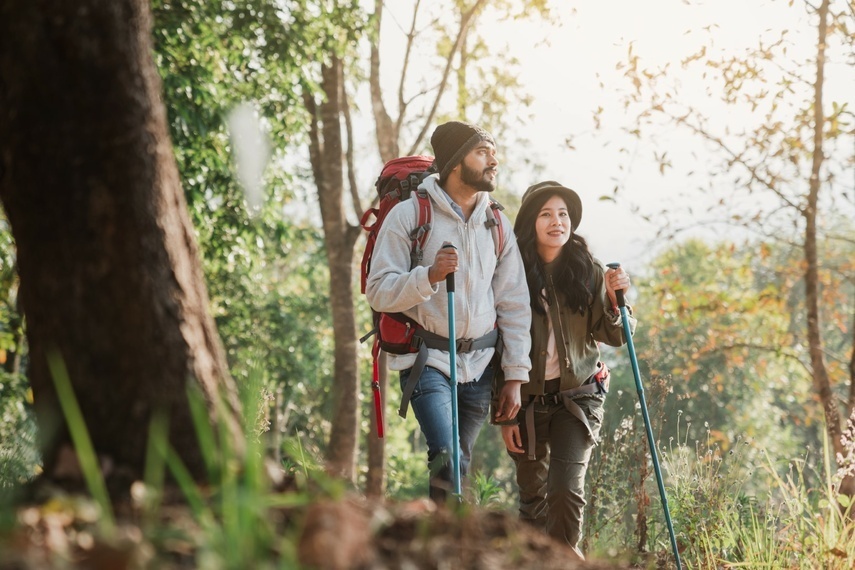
column 598, row 383
column 423, row 340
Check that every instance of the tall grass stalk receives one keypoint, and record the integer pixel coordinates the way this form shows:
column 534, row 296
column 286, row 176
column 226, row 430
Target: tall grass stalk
column 239, row 530
column 803, row 528
column 706, row 486
column 82, row 442
column 155, row 467
column 240, row 526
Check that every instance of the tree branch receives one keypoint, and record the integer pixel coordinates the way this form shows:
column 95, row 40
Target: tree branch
column 735, row 158
column 763, row 348
column 465, row 22
column 411, row 36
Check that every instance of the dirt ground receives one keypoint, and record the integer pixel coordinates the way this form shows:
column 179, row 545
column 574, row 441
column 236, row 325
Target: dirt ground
column 62, row 531
column 418, row 536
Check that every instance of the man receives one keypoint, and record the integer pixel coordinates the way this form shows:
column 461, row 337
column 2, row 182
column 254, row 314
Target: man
column 491, row 297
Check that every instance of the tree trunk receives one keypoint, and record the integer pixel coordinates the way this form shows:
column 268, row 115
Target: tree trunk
column 850, row 403
column 110, row 274
column 326, row 155
column 387, row 134
column 821, row 380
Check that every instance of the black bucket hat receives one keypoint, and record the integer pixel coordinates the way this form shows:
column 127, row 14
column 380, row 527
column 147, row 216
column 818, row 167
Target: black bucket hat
column 549, row 187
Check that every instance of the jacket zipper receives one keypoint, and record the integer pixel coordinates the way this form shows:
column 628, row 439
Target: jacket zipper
column 560, row 323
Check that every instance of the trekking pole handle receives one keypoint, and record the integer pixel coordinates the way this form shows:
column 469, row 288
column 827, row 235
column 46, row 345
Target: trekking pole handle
column 621, row 302
column 449, row 279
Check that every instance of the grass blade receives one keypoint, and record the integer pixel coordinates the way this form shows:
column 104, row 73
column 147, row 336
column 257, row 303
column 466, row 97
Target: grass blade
column 82, row 442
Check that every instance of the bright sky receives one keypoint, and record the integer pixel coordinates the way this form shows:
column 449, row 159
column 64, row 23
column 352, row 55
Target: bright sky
column 565, row 61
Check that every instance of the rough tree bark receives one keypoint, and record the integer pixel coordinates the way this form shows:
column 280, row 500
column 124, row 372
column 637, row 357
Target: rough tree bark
column 109, row 267
column 326, row 155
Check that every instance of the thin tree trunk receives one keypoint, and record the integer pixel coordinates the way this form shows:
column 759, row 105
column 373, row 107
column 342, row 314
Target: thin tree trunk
column 850, row 404
column 109, row 267
column 327, row 156
column 821, row 381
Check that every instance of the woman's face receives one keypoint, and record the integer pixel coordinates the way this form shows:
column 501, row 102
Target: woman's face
column 553, row 228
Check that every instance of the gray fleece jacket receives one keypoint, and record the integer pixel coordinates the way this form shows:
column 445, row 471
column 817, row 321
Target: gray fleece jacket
column 487, row 290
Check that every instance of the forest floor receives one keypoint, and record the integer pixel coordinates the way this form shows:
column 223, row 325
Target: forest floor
column 64, row 530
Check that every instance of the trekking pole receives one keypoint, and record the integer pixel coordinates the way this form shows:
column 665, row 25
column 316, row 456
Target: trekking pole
column 452, row 359
column 631, row 348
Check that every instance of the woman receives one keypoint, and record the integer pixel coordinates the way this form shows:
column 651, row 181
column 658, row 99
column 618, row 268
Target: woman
column 573, row 309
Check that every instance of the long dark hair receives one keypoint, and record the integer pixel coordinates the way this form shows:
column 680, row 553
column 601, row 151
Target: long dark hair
column 575, row 262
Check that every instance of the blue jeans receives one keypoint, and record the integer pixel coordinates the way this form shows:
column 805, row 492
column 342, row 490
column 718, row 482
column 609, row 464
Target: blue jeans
column 431, row 403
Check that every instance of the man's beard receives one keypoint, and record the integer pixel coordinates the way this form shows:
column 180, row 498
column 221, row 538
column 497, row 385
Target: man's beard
column 477, row 179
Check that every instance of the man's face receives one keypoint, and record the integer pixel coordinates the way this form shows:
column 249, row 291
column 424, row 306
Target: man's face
column 479, row 167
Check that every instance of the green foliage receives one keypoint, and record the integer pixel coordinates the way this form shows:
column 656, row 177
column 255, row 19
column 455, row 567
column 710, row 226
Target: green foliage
column 11, row 320
column 19, row 456
column 266, row 275
column 240, row 515
column 406, row 459
column 707, row 494
column 716, row 347
column 299, row 460
column 716, row 319
column 790, row 523
column 800, row 526
column 486, row 491
column 491, row 461
column 621, row 517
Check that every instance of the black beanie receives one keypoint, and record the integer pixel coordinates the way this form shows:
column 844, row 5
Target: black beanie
column 452, row 141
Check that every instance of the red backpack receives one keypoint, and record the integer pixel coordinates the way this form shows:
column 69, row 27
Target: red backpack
column 397, row 333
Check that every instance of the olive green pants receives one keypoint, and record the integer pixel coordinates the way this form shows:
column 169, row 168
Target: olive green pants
column 552, row 486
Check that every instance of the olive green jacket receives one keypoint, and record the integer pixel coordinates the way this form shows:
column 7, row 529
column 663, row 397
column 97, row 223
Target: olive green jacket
column 577, row 347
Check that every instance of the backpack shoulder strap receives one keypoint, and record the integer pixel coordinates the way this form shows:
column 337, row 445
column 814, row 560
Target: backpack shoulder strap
column 419, row 234
column 494, row 224
column 424, row 216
